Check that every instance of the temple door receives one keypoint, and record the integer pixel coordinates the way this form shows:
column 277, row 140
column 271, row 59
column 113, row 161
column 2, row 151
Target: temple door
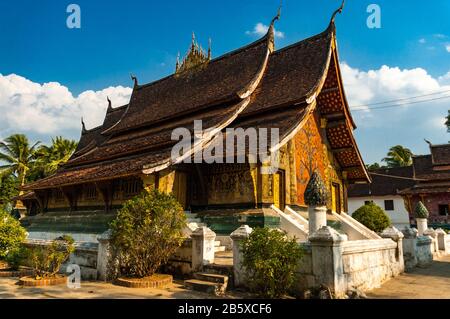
column 180, row 187
column 279, row 190
column 336, row 198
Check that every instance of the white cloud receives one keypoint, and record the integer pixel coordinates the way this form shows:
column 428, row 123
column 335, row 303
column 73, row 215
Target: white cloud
column 50, row 108
column 386, row 83
column 407, row 124
column 422, row 41
column 261, row 29
column 447, row 47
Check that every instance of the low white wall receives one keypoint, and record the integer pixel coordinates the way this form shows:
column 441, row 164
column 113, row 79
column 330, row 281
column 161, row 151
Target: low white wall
column 399, row 216
column 369, row 263
column 339, row 264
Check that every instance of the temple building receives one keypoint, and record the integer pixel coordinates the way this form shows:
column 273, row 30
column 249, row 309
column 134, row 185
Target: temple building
column 432, row 184
column 297, row 89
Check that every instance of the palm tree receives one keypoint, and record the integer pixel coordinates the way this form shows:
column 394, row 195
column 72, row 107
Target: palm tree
column 398, row 156
column 16, row 152
column 50, row 157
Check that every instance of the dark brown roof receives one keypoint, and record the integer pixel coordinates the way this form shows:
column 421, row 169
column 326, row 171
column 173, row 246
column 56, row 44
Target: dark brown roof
column 385, row 181
column 220, row 81
column 91, row 138
column 440, row 154
column 250, row 87
column 293, row 73
column 427, row 188
column 423, row 169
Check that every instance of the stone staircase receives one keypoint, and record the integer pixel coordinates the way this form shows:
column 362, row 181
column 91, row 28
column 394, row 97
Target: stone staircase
column 292, row 223
column 209, row 283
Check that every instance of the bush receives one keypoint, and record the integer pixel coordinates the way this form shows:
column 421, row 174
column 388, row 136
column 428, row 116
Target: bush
column 146, row 232
column 47, row 260
column 12, row 234
column 270, row 261
column 373, row 217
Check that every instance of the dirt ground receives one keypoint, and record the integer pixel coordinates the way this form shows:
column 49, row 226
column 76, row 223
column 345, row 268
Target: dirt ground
column 432, row 282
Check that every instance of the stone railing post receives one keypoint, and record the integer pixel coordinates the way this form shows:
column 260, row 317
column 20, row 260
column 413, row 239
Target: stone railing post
column 432, row 233
column 397, row 236
column 317, row 218
column 327, row 247
column 103, row 255
column 237, row 237
column 422, row 225
column 442, row 240
column 409, row 247
column 203, row 240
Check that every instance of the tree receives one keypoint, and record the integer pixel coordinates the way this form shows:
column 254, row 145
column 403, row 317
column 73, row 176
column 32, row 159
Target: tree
column 48, row 158
column 18, row 155
column 9, row 188
column 373, row 166
column 146, row 232
column 12, row 234
column 398, row 156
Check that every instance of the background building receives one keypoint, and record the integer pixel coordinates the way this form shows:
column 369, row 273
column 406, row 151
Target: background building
column 384, row 191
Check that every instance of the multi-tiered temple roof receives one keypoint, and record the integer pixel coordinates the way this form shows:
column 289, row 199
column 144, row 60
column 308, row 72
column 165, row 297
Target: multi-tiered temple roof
column 254, row 86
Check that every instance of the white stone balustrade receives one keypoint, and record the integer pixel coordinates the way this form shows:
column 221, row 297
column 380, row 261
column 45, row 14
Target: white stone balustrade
column 203, row 240
column 237, row 237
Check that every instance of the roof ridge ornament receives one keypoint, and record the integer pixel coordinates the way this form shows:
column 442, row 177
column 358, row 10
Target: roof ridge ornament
column 339, row 10
column 109, row 104
column 271, row 32
column 83, row 127
column 133, row 78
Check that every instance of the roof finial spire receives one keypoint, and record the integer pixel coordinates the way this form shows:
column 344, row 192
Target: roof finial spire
column 135, row 80
column 278, row 16
column 109, row 103
column 193, row 41
column 177, row 66
column 209, row 49
column 271, row 32
column 83, row 126
column 339, row 10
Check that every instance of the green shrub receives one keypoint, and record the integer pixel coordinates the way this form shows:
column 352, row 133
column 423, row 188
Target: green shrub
column 46, row 261
column 373, row 217
column 18, row 257
column 270, row 261
column 146, row 232
column 12, row 234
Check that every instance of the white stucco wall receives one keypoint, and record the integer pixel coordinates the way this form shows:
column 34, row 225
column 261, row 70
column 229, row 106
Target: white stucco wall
column 399, row 216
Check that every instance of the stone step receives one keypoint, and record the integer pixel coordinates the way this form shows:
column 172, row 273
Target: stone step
column 194, row 220
column 216, row 278
column 217, row 243
column 208, row 287
column 188, row 216
column 219, row 248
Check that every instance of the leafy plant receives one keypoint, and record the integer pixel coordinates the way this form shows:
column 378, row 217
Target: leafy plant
column 270, row 261
column 373, row 217
column 18, row 155
column 421, row 211
column 316, row 194
column 398, row 156
column 146, row 232
column 12, row 234
column 47, row 260
column 17, row 257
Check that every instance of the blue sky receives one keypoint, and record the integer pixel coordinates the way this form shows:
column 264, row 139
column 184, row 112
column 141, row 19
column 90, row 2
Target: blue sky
column 143, row 37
